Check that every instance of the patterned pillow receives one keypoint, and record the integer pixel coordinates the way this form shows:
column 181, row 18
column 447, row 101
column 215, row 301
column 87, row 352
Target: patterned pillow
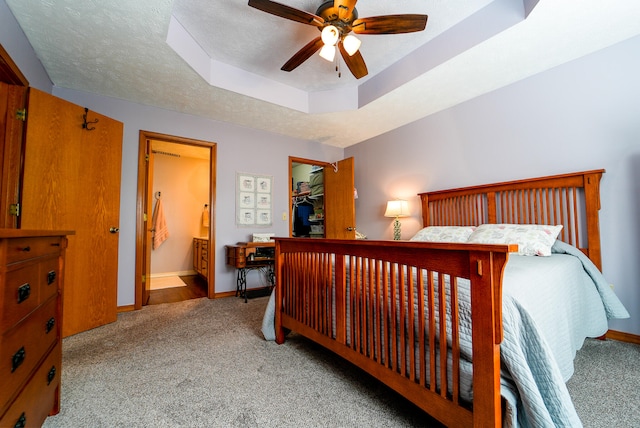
column 444, row 234
column 532, row 239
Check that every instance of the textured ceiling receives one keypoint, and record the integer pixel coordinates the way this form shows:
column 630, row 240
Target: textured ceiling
column 120, row 49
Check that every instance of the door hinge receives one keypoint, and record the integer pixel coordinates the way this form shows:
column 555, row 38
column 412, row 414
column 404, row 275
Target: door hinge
column 146, row 157
column 144, row 216
column 21, row 114
column 14, row 209
column 144, row 278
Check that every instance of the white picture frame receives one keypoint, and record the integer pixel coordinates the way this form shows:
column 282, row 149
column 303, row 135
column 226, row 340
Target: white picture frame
column 254, row 200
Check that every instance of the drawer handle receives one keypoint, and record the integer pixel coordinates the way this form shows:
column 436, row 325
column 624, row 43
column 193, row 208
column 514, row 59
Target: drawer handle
column 17, row 359
column 51, row 277
column 51, row 375
column 26, row 249
column 50, row 324
column 21, row 422
column 24, row 291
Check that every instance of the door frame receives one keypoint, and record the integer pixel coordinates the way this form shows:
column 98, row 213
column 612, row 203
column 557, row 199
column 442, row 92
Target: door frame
column 12, row 140
column 142, row 209
column 296, row 160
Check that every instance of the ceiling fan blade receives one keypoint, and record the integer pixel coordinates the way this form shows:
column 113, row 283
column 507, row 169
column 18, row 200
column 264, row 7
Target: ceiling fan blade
column 287, row 12
column 303, row 54
column 390, row 24
column 355, row 62
column 345, row 8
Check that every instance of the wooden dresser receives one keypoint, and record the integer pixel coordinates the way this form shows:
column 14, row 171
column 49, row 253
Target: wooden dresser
column 31, row 277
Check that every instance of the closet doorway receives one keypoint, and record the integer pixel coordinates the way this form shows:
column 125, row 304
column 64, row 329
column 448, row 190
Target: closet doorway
column 176, row 178
column 322, row 199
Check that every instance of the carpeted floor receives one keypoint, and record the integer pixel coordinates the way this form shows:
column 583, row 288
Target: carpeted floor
column 204, row 363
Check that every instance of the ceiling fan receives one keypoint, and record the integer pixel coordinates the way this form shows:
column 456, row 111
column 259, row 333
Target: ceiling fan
column 336, row 19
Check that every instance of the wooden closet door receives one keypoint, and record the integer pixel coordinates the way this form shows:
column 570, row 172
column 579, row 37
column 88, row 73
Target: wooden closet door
column 72, row 182
column 339, row 201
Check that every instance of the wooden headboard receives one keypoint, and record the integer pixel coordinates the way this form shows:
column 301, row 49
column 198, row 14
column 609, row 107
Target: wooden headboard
column 572, row 200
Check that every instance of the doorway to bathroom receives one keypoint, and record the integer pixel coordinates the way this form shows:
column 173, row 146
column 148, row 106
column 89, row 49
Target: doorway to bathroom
column 175, row 219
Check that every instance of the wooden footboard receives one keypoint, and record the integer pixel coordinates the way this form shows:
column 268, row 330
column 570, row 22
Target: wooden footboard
column 388, row 306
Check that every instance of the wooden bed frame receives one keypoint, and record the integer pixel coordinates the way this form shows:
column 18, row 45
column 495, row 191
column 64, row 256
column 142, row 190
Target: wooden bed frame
column 337, row 292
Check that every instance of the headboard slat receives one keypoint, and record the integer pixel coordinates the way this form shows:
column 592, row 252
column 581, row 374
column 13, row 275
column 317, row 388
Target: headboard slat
column 572, row 200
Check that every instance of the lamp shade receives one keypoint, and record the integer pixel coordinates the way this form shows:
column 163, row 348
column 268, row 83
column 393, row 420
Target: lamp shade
column 397, row 208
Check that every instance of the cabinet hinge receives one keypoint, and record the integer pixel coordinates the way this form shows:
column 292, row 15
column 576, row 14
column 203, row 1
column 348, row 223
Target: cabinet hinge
column 144, row 278
column 14, row 209
column 146, row 157
column 21, row 114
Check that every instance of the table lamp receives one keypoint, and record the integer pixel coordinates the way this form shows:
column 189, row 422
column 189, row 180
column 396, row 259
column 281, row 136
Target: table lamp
column 397, row 208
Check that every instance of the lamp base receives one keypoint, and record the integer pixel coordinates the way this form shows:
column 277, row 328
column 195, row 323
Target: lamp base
column 396, row 229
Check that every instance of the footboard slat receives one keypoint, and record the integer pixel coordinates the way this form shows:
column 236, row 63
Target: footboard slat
column 402, row 291
column 442, row 322
column 395, row 310
column 455, row 342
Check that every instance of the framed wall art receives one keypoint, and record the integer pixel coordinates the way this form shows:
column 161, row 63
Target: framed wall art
column 253, row 200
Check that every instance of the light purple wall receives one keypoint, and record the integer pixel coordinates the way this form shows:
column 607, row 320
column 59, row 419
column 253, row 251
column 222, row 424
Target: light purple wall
column 582, row 115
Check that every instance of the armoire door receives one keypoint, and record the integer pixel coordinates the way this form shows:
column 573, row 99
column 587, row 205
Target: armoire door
column 72, row 182
column 12, row 103
column 339, row 201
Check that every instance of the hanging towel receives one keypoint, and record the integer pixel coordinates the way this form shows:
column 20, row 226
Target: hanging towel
column 160, row 230
column 205, row 216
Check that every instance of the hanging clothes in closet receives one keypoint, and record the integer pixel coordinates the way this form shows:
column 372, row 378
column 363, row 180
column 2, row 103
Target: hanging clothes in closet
column 302, row 210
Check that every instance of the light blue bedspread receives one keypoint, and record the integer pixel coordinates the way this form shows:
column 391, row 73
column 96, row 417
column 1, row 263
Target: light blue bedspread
column 550, row 305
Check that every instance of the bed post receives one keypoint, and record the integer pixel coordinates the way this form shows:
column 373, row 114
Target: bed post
column 278, row 294
column 592, row 199
column 486, row 295
column 424, row 198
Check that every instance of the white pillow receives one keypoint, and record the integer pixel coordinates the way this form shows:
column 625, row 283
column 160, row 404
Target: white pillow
column 443, row 234
column 532, row 239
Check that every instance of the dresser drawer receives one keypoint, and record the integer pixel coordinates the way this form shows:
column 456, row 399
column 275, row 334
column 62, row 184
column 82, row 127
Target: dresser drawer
column 22, row 348
column 39, row 397
column 49, row 278
column 21, row 294
column 236, row 256
column 26, row 248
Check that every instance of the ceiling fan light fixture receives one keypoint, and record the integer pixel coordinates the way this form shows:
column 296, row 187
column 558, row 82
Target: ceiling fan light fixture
column 351, row 44
column 328, row 52
column 330, row 35
column 336, row 19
